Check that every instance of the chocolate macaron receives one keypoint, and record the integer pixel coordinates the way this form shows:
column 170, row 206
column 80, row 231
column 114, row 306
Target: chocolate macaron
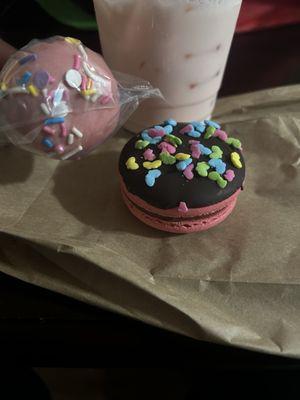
column 182, row 177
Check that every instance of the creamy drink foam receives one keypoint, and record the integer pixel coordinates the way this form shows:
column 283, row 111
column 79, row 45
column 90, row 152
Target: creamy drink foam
column 180, row 46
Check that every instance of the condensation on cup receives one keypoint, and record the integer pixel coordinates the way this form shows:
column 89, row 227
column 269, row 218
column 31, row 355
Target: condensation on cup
column 180, row 46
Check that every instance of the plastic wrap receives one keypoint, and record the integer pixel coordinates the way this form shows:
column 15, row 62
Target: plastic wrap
column 59, row 98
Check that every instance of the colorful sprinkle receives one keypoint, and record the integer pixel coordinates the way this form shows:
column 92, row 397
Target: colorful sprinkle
column 149, row 155
column 73, row 78
column 57, row 96
column 181, row 165
column 215, row 176
column 154, row 132
column 72, row 153
column 210, row 130
column 132, row 164
column 83, row 82
column 186, row 129
column 105, row 100
column 149, row 139
column 77, row 132
column 89, row 84
column 63, row 130
column 171, row 122
column 221, row 135
column 182, row 156
column 88, row 92
column 77, row 62
column 235, row 159
column 212, row 124
column 141, row 144
column 72, row 40
column 167, row 147
column 26, row 59
column 25, row 78
column 152, row 164
column 45, row 109
column 51, row 79
column 194, row 134
column 195, row 149
column 234, row 142
column 168, row 129
column 218, row 164
column 17, row 90
column 48, row 130
column 182, row 207
column 70, row 138
column 188, row 172
column 52, row 121
column 33, row 90
column 174, row 140
column 200, row 126
column 216, row 152
column 41, row 79
column 151, row 176
column 205, row 150
column 47, row 142
column 229, row 175
column 166, row 158
column 202, row 168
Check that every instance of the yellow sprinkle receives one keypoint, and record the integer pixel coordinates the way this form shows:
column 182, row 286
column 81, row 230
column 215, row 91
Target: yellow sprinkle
column 33, row 90
column 72, row 40
column 182, row 156
column 131, row 163
column 3, row 86
column 235, row 159
column 89, row 84
column 152, row 165
column 88, row 92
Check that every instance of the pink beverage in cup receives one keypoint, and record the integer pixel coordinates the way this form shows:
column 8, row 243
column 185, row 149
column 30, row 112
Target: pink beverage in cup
column 180, row 46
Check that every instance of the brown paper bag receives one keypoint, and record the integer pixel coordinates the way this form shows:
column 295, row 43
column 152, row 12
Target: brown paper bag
column 65, row 228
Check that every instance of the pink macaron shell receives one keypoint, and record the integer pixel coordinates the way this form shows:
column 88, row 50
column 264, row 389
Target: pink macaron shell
column 56, row 56
column 209, row 216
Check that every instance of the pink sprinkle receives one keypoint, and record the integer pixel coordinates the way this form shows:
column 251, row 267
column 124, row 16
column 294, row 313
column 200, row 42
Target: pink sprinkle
column 59, row 148
column 51, row 94
column 149, row 155
column 77, row 62
column 186, row 129
column 196, row 152
column 164, row 146
column 194, row 142
column 51, row 79
column 105, row 100
column 229, row 176
column 83, row 82
column 156, row 132
column 49, row 130
column 183, row 207
column 221, row 134
column 188, row 172
column 63, row 130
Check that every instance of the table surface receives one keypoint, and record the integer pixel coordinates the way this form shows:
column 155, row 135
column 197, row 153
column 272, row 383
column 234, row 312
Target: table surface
column 39, row 327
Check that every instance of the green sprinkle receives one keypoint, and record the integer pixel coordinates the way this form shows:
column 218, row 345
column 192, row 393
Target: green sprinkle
column 216, row 152
column 202, row 168
column 234, row 142
column 210, row 130
column 174, row 140
column 166, row 158
column 141, row 144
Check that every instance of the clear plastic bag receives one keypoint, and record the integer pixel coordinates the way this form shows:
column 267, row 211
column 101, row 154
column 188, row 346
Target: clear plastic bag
column 59, row 98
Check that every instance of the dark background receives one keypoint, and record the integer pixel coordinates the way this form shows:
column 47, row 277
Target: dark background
column 38, row 327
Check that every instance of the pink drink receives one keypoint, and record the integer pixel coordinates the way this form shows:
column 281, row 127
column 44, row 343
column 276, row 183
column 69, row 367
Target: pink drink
column 180, row 46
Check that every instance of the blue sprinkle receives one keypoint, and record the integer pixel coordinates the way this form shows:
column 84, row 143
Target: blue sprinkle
column 47, row 142
column 171, row 122
column 150, row 139
column 26, row 59
column 52, row 121
column 205, row 150
column 25, row 78
column 199, row 125
column 160, row 128
column 212, row 123
column 181, row 165
column 58, row 94
column 151, row 177
column 194, row 134
column 218, row 164
column 168, row 129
